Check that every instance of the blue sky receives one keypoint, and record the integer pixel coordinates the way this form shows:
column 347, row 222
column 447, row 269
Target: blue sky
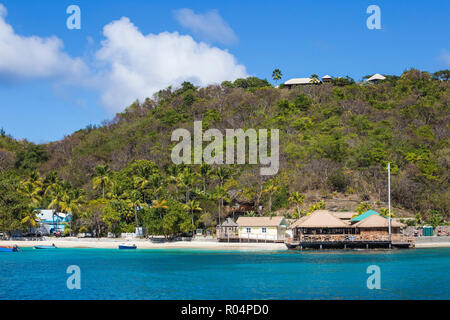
column 89, row 80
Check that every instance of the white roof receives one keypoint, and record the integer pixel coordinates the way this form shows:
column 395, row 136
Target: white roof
column 326, row 77
column 376, row 76
column 299, row 81
column 47, row 214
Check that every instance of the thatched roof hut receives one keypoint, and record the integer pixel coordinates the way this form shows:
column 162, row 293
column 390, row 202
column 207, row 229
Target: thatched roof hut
column 377, row 221
column 228, row 223
column 320, row 219
column 344, row 215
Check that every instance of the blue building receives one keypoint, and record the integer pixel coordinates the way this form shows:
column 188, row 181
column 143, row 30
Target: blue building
column 51, row 221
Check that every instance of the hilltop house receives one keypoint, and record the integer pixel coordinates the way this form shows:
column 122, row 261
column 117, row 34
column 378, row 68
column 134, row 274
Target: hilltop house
column 262, row 228
column 300, row 82
column 326, row 79
column 376, row 78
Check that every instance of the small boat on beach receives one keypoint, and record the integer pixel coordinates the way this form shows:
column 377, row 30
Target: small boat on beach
column 45, row 247
column 127, row 246
column 9, row 248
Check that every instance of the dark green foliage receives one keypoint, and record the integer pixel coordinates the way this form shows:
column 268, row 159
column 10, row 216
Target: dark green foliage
column 343, row 81
column 250, row 82
column 338, row 181
column 30, row 157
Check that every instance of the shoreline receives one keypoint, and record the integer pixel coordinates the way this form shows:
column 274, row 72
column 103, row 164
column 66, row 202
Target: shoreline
column 106, row 243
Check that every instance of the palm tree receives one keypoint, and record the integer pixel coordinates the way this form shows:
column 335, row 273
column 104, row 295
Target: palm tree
column 133, row 200
column 160, row 204
column 30, row 218
column 58, row 192
column 297, row 199
column 186, row 181
column 205, row 172
column 250, row 213
column 223, row 174
column 31, row 190
column 315, row 79
column 101, row 177
column 276, row 75
column 141, row 182
column 72, row 203
column 221, row 194
column 50, row 181
column 270, row 189
column 192, row 206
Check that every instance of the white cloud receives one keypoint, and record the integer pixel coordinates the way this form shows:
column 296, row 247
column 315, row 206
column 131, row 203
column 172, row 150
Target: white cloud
column 128, row 66
column 33, row 57
column 139, row 65
column 209, row 25
column 445, row 57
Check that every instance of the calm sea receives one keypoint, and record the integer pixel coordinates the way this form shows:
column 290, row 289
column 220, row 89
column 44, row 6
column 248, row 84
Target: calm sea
column 177, row 274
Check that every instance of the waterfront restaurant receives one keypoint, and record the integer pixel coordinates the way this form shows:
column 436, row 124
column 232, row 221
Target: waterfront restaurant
column 324, row 228
column 321, row 225
column 376, row 227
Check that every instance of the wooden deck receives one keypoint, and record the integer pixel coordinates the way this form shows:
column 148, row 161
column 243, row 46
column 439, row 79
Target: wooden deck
column 349, row 242
column 236, row 238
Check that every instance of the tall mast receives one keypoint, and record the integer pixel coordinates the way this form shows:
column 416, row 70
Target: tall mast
column 389, row 197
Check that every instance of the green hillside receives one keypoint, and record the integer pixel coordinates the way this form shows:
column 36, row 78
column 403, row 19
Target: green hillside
column 335, row 141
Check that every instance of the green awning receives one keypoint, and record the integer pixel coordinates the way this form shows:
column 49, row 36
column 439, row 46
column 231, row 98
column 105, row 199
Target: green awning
column 364, row 215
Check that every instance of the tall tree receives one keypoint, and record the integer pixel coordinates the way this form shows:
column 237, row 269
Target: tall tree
column 276, row 75
column 270, row 189
column 192, row 206
column 101, row 178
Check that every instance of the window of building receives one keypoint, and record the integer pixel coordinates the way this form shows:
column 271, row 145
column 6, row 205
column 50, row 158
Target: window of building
column 249, row 230
column 264, row 229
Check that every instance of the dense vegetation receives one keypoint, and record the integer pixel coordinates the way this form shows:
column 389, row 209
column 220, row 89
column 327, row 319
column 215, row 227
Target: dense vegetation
column 334, row 140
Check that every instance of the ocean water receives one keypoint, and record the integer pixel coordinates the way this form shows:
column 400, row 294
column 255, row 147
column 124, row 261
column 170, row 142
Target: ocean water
column 200, row 274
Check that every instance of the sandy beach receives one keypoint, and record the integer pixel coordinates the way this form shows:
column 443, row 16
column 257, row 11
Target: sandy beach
column 105, row 243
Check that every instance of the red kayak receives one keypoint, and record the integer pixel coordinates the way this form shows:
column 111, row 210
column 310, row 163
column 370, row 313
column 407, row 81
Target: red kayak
column 9, row 249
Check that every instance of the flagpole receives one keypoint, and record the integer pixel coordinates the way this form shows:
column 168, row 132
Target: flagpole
column 389, row 200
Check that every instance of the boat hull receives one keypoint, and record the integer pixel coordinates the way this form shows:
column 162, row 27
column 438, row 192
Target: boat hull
column 123, row 247
column 44, row 247
column 9, row 249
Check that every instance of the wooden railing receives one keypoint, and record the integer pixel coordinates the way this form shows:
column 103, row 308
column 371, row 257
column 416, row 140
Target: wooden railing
column 227, row 235
column 354, row 237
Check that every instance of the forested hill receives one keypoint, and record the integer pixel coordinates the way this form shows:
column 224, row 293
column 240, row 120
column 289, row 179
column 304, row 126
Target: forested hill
column 334, row 139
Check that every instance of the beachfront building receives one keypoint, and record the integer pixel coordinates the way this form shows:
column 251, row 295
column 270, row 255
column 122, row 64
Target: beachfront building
column 376, row 226
column 376, row 78
column 323, row 228
column 227, row 230
column 300, row 82
column 321, row 225
column 345, row 216
column 50, row 222
column 265, row 229
column 357, row 218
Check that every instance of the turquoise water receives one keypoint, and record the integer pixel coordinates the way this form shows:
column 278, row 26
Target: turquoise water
column 176, row 274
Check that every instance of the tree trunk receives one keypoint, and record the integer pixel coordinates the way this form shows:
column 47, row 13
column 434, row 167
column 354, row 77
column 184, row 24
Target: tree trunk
column 270, row 203
column 135, row 216
column 220, row 209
